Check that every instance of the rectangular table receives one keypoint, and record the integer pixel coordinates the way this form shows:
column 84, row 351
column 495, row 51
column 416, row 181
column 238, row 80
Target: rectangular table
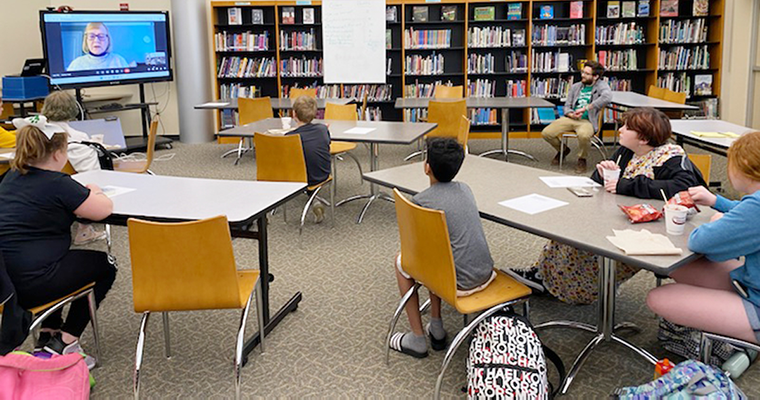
column 383, row 132
column 502, row 103
column 277, row 103
column 176, row 199
column 584, row 223
column 636, row 100
column 682, row 129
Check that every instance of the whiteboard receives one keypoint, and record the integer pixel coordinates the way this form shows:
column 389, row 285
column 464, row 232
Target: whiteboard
column 353, row 37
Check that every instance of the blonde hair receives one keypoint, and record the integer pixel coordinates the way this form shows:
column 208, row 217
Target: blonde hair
column 89, row 27
column 33, row 147
column 744, row 156
column 305, row 108
column 60, row 106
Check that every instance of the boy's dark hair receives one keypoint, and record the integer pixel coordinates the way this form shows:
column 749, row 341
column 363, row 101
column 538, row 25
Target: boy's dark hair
column 597, row 69
column 445, row 157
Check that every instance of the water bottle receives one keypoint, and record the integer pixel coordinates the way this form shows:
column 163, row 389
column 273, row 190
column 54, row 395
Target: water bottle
column 738, row 363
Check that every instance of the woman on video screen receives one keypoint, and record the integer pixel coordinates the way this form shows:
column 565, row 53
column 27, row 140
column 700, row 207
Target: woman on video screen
column 96, row 46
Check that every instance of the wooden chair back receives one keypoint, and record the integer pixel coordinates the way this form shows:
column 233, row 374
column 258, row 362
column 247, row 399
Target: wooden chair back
column 656, row 92
column 183, row 266
column 425, row 247
column 252, row 110
column 448, row 115
column 674, row 97
column 345, row 112
column 448, row 92
column 279, row 158
column 703, row 162
column 464, row 132
column 295, row 93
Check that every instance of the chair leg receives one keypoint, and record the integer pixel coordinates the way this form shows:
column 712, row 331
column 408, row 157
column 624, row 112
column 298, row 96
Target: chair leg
column 109, row 241
column 461, row 337
column 334, row 167
column 240, row 340
column 260, row 314
column 599, row 146
column 139, row 354
column 705, row 348
column 306, row 209
column 563, row 144
column 284, row 212
column 93, row 307
column 359, row 165
column 408, row 295
column 167, row 337
column 332, row 203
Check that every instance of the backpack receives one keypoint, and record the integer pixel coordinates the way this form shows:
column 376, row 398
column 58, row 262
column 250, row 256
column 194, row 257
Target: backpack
column 23, row 376
column 685, row 342
column 104, row 156
column 687, row 380
column 507, row 360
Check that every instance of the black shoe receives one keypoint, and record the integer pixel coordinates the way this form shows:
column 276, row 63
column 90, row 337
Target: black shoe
column 530, row 277
column 42, row 340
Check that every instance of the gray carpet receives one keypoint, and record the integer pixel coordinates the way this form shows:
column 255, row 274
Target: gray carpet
column 332, row 346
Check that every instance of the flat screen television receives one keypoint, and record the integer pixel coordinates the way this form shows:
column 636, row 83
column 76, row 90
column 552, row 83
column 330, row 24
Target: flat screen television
column 103, row 48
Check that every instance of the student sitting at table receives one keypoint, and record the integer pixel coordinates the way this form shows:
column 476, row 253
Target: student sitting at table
column 39, row 205
column 648, row 164
column 60, row 108
column 720, row 293
column 472, row 259
column 315, row 139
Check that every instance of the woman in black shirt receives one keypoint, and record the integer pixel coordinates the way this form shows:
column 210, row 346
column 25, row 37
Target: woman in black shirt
column 39, row 204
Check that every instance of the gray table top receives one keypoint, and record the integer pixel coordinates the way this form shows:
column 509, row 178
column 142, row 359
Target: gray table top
column 635, row 100
column 387, row 132
column 11, row 152
column 277, row 103
column 683, row 127
column 186, row 199
column 583, row 223
column 479, row 102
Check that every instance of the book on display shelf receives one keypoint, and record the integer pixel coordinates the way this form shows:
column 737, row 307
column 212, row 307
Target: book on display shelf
column 547, row 12
column 669, row 8
column 485, row 13
column 613, row 9
column 628, row 9
column 643, row 8
column 514, row 11
column 288, row 15
column 390, row 14
column 700, row 8
column 419, row 14
column 448, row 13
column 234, row 16
column 703, row 85
column 576, row 9
column 257, row 16
column 308, row 15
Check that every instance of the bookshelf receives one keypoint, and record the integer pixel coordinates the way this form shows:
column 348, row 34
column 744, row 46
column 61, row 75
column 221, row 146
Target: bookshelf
column 466, row 43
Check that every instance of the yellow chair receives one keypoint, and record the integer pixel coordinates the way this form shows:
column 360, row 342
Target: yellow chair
column 448, row 92
column 250, row 110
column 426, row 256
column 142, row 166
column 596, row 140
column 463, row 135
column 295, row 93
column 674, row 97
column 189, row 266
column 345, row 112
column 703, row 162
column 281, row 159
column 68, row 169
column 448, row 115
column 656, row 92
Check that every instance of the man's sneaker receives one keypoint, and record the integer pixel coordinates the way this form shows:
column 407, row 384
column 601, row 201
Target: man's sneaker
column 56, row 346
column 319, row 213
column 87, row 234
column 530, row 277
column 555, row 160
column 42, row 340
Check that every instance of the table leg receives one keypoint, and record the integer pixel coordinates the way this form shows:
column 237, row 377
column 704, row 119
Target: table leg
column 374, row 193
column 605, row 328
column 291, row 305
column 504, row 150
column 240, row 151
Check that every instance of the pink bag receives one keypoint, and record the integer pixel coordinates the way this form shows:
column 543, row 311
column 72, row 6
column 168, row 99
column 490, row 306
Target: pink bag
column 23, row 376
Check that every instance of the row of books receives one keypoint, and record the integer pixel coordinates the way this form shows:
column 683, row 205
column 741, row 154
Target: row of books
column 552, row 35
column 481, row 64
column 517, row 88
column 618, row 60
column 677, row 82
column 488, row 13
column 427, row 39
column 495, row 36
column 415, row 114
column 424, row 65
column 372, row 114
column 481, row 88
column 483, row 116
column 237, row 67
column 684, row 58
column 244, row 41
column 628, row 10
column 298, row 40
column 422, row 90
column 551, row 61
column 552, row 88
column 617, row 84
column 323, row 91
column 546, row 11
column 669, row 8
column 545, row 115
column 687, row 31
column 622, row 33
column 422, row 14
column 373, row 92
column 301, row 67
column 235, row 90
column 516, row 62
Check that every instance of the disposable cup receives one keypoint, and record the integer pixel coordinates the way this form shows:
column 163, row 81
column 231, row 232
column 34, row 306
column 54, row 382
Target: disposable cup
column 675, row 219
column 286, row 122
column 611, row 175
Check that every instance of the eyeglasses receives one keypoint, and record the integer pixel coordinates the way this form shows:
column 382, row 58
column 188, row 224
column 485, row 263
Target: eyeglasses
column 93, row 37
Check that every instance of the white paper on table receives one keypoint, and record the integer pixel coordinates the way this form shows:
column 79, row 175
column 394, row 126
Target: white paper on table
column 532, row 203
column 113, row 191
column 8, row 156
column 357, row 130
column 215, row 104
column 568, row 181
column 643, row 243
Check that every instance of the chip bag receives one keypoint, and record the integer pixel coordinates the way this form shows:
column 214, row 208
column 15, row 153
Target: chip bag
column 684, row 199
column 641, row 213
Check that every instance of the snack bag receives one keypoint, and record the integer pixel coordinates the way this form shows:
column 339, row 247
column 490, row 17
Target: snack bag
column 641, row 213
column 684, row 199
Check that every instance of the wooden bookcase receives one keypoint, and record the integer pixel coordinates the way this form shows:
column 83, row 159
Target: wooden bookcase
column 459, row 53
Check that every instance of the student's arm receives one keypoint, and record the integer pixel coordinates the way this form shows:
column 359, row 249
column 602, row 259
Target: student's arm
column 723, row 204
column 96, row 206
column 732, row 236
column 7, row 139
column 597, row 176
column 604, row 99
column 672, row 179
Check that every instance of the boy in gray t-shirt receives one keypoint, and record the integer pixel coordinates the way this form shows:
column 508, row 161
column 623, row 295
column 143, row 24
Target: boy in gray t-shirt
column 472, row 259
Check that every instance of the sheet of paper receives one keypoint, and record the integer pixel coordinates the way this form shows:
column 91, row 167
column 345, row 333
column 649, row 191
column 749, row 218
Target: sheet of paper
column 532, row 203
column 215, row 104
column 357, row 130
column 568, row 181
column 716, row 135
column 7, row 156
column 113, row 191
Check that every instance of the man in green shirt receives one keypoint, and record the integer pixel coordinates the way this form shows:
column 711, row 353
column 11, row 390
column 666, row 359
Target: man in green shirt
column 585, row 101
